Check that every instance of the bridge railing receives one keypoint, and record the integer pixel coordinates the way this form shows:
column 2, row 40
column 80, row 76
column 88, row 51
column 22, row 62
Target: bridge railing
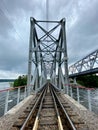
column 85, row 96
column 12, row 96
column 88, row 97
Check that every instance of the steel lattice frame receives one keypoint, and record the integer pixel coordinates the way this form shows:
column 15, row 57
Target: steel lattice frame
column 47, row 47
column 90, row 62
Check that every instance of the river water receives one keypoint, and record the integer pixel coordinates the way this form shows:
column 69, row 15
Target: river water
column 12, row 100
column 4, row 85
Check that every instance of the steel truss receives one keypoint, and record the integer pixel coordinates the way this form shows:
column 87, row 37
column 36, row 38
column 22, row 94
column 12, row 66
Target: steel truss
column 47, row 51
column 90, row 62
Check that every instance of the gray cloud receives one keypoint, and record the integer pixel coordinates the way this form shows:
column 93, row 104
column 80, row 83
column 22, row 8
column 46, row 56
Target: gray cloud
column 81, row 21
column 83, row 35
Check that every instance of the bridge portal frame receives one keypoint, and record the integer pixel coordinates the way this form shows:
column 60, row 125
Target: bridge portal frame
column 57, row 49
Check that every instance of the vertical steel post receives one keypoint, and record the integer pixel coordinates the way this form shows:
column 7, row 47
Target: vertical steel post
column 37, row 79
column 25, row 92
column 71, row 93
column 41, row 78
column 55, row 79
column 6, row 102
column 30, row 52
column 78, row 96
column 53, row 76
column 18, row 95
column 60, row 78
column 54, row 66
column 89, row 100
column 75, row 82
column 40, row 81
column 65, row 55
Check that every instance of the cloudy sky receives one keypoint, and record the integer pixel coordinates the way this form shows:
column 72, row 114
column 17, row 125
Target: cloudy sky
column 82, row 30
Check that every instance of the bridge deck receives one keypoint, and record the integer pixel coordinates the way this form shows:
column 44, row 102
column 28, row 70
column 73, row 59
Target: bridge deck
column 48, row 114
column 87, row 72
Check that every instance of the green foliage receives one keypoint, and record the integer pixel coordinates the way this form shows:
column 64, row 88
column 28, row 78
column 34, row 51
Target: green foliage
column 88, row 80
column 22, row 80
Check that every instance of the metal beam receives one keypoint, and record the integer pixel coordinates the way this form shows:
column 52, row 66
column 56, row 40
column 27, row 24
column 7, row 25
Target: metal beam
column 88, row 72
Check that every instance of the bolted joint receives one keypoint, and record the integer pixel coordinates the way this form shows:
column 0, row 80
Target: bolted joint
column 65, row 58
column 32, row 19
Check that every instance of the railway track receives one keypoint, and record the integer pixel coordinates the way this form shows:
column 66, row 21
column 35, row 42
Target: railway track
column 49, row 111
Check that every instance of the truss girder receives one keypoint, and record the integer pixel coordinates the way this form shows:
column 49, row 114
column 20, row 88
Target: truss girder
column 87, row 63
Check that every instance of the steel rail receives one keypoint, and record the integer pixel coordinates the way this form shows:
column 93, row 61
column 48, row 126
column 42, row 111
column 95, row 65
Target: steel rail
column 34, row 107
column 57, row 112
column 38, row 113
column 65, row 112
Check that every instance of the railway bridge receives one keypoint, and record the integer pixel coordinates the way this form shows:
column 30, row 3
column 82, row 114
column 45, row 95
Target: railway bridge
column 49, row 97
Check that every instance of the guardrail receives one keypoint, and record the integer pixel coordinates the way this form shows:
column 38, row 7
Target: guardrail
column 12, row 96
column 88, row 97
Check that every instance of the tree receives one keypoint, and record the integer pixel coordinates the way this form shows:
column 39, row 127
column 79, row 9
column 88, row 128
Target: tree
column 88, row 80
column 22, row 80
